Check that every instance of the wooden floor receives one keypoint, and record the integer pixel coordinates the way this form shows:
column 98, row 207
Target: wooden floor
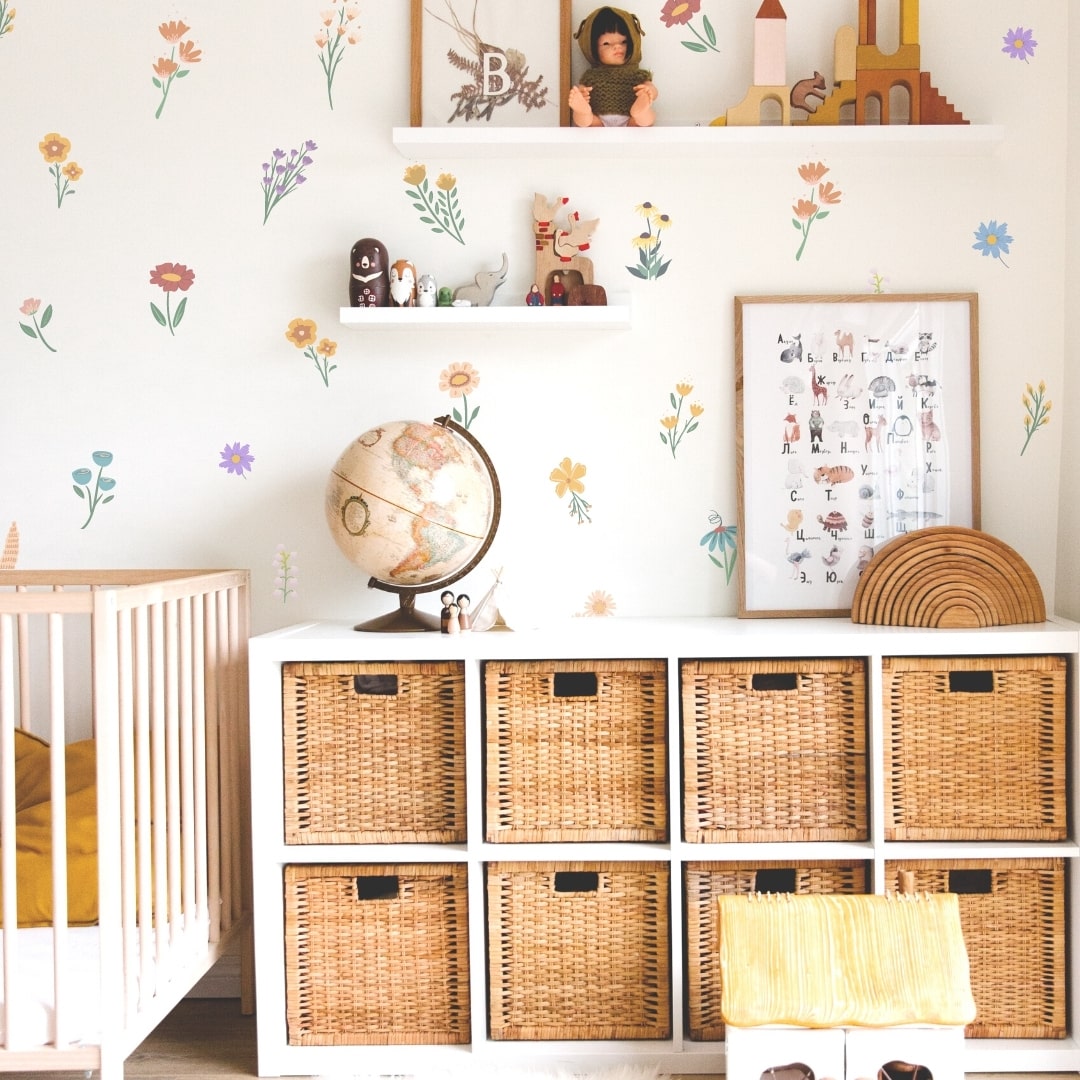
column 209, row 1039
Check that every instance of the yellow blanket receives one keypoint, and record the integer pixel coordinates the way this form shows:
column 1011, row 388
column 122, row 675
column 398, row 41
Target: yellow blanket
column 843, row 961
column 33, row 831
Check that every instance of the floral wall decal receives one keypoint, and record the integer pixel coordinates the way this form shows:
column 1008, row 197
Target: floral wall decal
column 302, row 333
column 459, row 380
column 994, row 240
column 285, row 571
column 1036, row 411
column 170, row 278
column 650, row 265
column 1019, row 44
column 169, row 68
column 442, row 211
column 671, row 435
column 10, row 555
column 680, row 13
column 598, row 604
column 7, row 17
column 103, row 485
column 284, row 175
column 332, row 40
column 236, row 459
column 807, row 211
column 30, row 307
column 878, row 281
column 55, row 149
column 720, row 541
column 567, row 478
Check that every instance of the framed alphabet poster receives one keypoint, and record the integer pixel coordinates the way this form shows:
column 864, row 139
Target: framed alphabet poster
column 856, row 421
column 483, row 63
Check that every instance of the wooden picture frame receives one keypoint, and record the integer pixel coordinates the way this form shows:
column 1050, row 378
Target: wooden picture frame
column 460, row 72
column 856, row 421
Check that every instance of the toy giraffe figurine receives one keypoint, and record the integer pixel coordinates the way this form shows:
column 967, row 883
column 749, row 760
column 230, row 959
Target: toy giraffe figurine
column 558, row 249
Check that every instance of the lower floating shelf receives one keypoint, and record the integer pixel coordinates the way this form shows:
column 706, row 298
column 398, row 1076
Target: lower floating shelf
column 613, row 316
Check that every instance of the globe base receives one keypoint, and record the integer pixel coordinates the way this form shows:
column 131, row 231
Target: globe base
column 405, row 620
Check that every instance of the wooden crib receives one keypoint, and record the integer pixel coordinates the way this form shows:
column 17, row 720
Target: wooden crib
column 125, row 692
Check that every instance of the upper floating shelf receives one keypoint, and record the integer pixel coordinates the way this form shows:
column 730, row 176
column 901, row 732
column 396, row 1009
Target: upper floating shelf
column 614, row 316
column 926, row 139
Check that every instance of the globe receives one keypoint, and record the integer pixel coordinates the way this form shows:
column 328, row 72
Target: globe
column 415, row 506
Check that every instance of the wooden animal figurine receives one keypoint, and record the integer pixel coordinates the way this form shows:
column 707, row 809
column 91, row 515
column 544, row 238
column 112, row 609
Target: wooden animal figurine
column 481, row 291
column 369, row 274
column 559, row 246
column 808, row 94
column 427, row 292
column 402, row 284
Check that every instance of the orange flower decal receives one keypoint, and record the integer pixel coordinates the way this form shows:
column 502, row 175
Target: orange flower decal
column 807, row 210
column 171, row 67
column 173, row 31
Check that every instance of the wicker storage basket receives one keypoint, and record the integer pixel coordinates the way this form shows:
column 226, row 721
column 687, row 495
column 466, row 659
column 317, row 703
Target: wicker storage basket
column 374, row 753
column 774, row 750
column 576, row 750
column 376, row 955
column 1012, row 912
column 704, row 882
column 579, row 950
column 974, row 748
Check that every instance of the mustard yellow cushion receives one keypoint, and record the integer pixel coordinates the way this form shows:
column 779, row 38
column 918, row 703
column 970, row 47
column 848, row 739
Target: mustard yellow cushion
column 33, row 831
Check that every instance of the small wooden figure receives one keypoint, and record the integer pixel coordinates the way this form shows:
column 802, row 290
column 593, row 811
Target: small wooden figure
column 534, row 297
column 447, row 598
column 369, row 274
column 615, row 91
column 402, row 284
column 481, row 291
column 426, row 291
column 446, row 297
column 453, row 625
column 558, row 291
column 464, row 618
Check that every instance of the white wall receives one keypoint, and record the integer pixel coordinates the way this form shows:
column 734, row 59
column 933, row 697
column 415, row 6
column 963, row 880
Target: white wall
column 1068, row 566
column 185, row 188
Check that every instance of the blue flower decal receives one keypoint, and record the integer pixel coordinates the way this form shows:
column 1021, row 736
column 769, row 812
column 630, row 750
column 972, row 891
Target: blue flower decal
column 993, row 239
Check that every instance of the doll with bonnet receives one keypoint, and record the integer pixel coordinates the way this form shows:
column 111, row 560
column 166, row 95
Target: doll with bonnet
column 615, row 91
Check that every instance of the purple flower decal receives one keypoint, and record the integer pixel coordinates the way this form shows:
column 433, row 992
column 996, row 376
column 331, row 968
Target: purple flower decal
column 284, row 175
column 1019, row 44
column 236, row 458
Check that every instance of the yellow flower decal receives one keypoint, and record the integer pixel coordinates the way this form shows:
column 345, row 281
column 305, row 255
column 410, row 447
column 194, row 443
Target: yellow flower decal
column 55, row 149
column 599, row 604
column 566, row 477
column 302, row 333
column 440, row 208
column 671, row 436
column 1037, row 409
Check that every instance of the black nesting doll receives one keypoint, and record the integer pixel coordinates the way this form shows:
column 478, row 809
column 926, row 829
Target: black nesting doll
column 369, row 274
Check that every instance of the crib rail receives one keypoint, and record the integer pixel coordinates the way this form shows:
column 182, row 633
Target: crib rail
column 165, row 657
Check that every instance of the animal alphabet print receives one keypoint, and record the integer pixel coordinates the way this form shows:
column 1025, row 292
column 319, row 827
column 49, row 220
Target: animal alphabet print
column 855, row 417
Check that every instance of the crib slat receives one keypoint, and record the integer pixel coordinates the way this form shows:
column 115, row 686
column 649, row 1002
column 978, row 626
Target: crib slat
column 58, row 789
column 9, row 899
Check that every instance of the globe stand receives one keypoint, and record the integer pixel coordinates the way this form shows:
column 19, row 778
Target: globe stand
column 405, row 620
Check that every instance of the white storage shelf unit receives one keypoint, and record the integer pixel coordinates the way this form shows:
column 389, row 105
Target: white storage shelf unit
column 671, row 641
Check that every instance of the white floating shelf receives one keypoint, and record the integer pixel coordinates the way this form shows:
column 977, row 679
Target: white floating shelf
column 475, row 141
column 613, row 316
